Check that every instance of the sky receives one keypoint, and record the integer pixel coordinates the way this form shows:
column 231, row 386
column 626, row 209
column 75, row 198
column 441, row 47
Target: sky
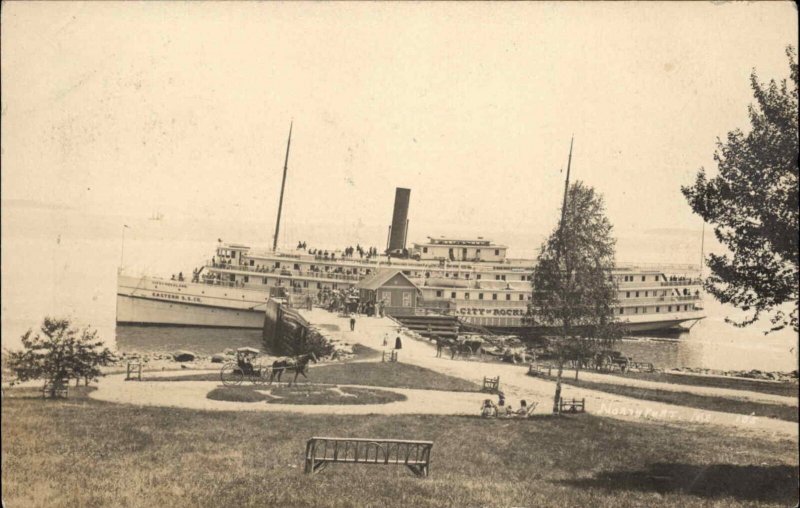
column 126, row 109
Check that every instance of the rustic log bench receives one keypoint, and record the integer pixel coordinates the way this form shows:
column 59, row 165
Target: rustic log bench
column 491, row 384
column 572, row 406
column 61, row 388
column 321, row 451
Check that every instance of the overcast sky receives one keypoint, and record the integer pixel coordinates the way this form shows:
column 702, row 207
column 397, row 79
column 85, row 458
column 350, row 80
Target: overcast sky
column 124, row 109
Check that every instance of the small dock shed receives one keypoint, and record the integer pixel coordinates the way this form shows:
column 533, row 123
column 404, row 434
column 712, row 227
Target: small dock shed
column 398, row 293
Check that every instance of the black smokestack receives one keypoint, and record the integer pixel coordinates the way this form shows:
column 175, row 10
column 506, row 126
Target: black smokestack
column 397, row 238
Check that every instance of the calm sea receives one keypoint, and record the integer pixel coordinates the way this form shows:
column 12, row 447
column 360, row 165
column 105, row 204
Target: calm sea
column 64, row 262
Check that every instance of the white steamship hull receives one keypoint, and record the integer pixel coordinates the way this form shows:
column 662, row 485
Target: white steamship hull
column 149, row 301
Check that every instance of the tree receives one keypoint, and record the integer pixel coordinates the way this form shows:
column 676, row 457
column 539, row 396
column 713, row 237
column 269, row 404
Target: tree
column 573, row 287
column 59, row 352
column 753, row 205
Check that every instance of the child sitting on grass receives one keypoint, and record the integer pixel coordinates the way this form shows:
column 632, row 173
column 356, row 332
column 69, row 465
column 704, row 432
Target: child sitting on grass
column 488, row 409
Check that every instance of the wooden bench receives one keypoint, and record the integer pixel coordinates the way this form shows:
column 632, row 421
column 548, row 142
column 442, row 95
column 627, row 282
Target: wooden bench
column 572, row 406
column 134, row 369
column 491, row 384
column 321, row 451
column 540, row 370
column 392, row 356
column 61, row 389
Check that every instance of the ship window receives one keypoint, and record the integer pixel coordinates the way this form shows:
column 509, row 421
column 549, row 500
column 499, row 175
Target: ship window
column 508, row 296
column 439, row 293
column 627, row 294
column 319, row 285
column 636, row 310
column 521, row 297
column 425, row 250
column 478, row 276
column 263, row 280
column 296, row 266
column 252, row 262
column 480, row 296
column 466, row 296
column 645, row 293
column 246, row 278
column 637, row 294
column 277, row 264
column 503, row 277
column 232, row 277
column 496, row 277
column 494, row 296
column 453, row 295
column 466, row 276
column 658, row 309
column 305, row 283
column 621, row 310
column 643, row 278
column 670, row 308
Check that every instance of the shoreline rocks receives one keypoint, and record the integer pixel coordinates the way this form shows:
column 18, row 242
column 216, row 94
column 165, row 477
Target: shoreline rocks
column 747, row 374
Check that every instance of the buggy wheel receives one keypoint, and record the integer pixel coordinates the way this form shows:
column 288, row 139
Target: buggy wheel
column 231, row 375
column 261, row 377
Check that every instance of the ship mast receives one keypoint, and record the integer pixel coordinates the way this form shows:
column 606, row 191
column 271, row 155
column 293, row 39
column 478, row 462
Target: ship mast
column 283, row 186
column 566, row 190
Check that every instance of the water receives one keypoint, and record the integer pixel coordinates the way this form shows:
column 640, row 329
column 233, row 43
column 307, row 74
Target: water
column 64, row 263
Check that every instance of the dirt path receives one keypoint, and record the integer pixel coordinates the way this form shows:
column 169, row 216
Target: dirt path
column 516, row 384
column 192, row 395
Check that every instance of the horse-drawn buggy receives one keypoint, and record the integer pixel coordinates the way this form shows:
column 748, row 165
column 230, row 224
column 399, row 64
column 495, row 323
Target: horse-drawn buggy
column 466, row 346
column 607, row 359
column 245, row 367
column 234, row 373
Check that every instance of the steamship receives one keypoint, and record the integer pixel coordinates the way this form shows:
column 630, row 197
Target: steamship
column 470, row 278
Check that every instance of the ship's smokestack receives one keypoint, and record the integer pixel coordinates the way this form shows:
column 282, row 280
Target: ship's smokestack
column 399, row 230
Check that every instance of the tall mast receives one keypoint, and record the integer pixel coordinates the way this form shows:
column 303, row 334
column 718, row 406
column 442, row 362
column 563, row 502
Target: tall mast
column 283, row 186
column 566, row 190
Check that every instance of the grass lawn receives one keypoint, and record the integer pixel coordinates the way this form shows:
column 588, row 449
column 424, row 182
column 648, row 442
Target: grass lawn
column 785, row 389
column 711, row 403
column 82, row 452
column 304, row 394
column 389, row 375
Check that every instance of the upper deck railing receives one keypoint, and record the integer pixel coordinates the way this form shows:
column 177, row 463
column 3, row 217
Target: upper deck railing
column 285, row 272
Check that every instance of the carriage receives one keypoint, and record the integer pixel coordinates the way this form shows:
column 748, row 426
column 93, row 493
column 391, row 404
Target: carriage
column 467, row 346
column 234, row 373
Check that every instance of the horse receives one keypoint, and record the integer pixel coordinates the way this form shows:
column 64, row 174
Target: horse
column 298, row 364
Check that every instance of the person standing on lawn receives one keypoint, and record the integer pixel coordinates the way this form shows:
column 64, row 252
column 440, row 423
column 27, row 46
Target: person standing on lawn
column 352, row 323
